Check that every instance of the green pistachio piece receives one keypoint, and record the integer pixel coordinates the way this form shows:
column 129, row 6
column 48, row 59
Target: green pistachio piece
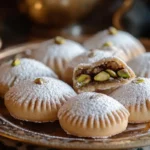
column 139, row 80
column 59, row 40
column 83, row 79
column 107, row 44
column 39, row 81
column 102, row 76
column 123, row 73
column 111, row 73
column 112, row 31
column 15, row 62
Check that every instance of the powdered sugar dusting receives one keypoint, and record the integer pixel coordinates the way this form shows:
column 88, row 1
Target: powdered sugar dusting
column 27, row 69
column 57, row 56
column 143, row 67
column 52, row 90
column 50, row 49
column 133, row 93
column 91, row 104
column 131, row 46
column 91, row 57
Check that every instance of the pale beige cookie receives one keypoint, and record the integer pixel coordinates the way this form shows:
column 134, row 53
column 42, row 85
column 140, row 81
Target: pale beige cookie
column 17, row 70
column 135, row 96
column 104, row 74
column 57, row 52
column 37, row 100
column 93, row 115
column 129, row 44
column 92, row 56
column 141, row 65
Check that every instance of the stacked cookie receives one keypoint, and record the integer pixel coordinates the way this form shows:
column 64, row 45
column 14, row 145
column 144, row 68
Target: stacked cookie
column 35, row 92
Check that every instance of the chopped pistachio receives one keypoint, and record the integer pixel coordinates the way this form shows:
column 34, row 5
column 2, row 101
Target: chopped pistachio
column 102, row 76
column 112, row 31
column 111, row 73
column 123, row 73
column 107, row 44
column 139, row 80
column 83, row 79
column 15, row 62
column 39, row 81
column 59, row 40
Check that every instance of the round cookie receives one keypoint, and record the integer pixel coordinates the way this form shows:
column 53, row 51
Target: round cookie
column 141, row 65
column 57, row 52
column 17, row 70
column 93, row 115
column 123, row 40
column 135, row 96
column 37, row 100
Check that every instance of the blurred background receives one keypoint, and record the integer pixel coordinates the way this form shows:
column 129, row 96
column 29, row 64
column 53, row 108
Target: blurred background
column 34, row 20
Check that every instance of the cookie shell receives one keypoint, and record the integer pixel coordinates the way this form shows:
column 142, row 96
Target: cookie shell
column 135, row 96
column 56, row 56
column 93, row 115
column 37, row 102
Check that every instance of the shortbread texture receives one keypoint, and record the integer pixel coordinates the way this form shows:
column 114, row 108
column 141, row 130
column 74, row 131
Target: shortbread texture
column 93, row 115
column 37, row 102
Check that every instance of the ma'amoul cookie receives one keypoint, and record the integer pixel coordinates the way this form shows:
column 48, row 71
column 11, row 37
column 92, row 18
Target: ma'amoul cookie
column 141, row 65
column 17, row 70
column 135, row 96
column 105, row 73
column 129, row 44
column 92, row 56
column 93, row 115
column 57, row 52
column 37, row 100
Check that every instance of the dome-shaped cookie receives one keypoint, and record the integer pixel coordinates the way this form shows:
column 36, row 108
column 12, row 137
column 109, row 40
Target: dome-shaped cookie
column 17, row 70
column 141, row 65
column 91, row 56
column 129, row 44
column 135, row 96
column 37, row 100
column 57, row 52
column 93, row 115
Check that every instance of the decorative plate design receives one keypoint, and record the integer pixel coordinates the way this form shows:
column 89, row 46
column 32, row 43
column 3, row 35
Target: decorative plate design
column 51, row 134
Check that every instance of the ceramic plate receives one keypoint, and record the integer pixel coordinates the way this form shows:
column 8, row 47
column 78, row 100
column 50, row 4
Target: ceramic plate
column 51, row 134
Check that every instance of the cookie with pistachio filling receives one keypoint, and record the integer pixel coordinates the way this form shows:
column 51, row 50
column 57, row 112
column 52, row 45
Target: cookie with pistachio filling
column 17, row 70
column 57, row 52
column 91, row 56
column 121, row 39
column 105, row 74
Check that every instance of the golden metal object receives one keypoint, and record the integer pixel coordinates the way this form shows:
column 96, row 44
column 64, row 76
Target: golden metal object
column 120, row 12
column 56, row 12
